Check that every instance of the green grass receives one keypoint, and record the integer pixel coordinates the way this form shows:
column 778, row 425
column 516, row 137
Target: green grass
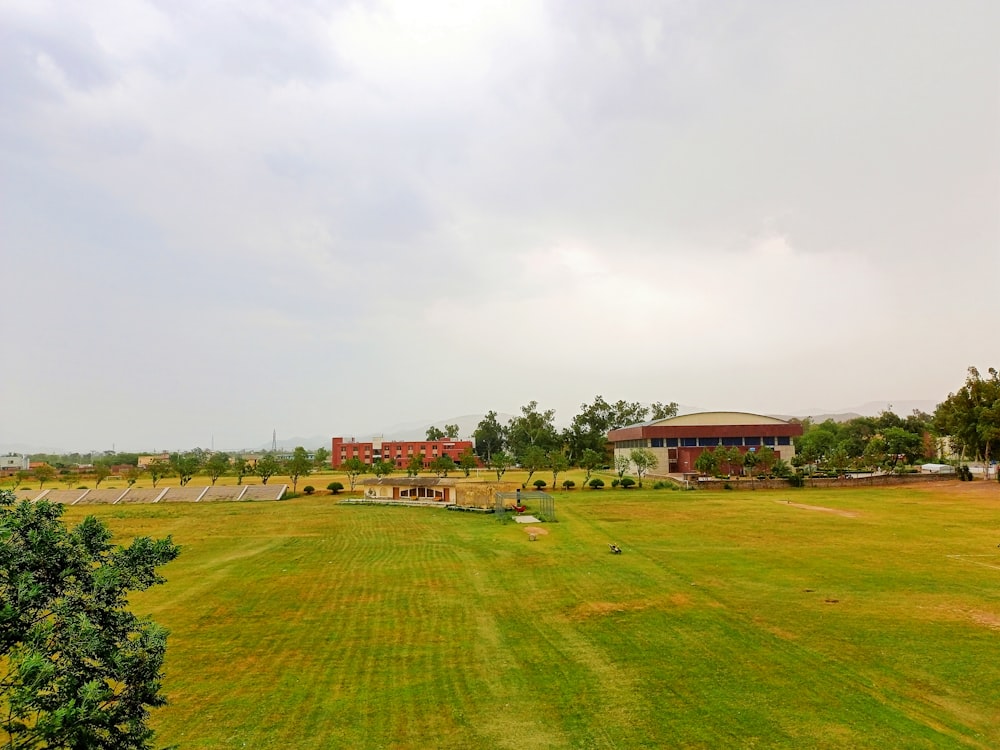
column 733, row 619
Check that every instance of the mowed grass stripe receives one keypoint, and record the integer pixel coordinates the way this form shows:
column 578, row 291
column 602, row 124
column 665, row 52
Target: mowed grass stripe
column 309, row 624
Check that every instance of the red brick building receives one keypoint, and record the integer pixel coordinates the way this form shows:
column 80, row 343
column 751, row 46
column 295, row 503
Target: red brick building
column 399, row 452
column 677, row 442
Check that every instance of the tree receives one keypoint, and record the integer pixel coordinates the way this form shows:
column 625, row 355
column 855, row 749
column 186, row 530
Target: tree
column 901, row 444
column 451, row 431
column 20, row 477
column 707, row 462
column 643, row 460
column 299, row 465
column 766, row 458
column 132, row 475
column 241, row 467
column 185, row 465
column 589, row 429
column 101, row 472
column 533, row 460
column 556, row 462
column 383, row 468
column 321, row 459
column 622, row 465
column 489, row 436
column 353, row 467
column 433, row 433
column 442, row 465
column 663, row 411
column 589, row 461
column 77, row 668
column 217, row 465
column 500, row 462
column 467, row 461
column 533, row 429
column 749, row 463
column 267, row 466
column 416, row 465
column 158, row 468
column 971, row 416
column 44, row 473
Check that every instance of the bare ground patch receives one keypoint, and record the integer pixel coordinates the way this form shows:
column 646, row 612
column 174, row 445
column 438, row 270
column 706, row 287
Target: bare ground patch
column 835, row 511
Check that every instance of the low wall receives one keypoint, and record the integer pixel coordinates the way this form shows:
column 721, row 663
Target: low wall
column 882, row 480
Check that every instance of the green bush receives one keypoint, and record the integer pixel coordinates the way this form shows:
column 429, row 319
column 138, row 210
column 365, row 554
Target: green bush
column 539, row 483
column 308, row 489
column 627, row 482
column 596, row 483
column 569, row 484
column 797, row 480
column 335, row 487
column 727, row 486
column 615, row 482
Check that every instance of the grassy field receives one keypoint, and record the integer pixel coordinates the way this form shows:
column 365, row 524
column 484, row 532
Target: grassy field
column 803, row 618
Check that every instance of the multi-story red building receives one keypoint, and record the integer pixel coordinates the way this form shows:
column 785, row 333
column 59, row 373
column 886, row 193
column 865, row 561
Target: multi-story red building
column 399, row 452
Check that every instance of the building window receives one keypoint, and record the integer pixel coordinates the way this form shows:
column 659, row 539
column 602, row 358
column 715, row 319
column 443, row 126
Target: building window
column 708, row 442
column 656, row 442
column 784, row 440
column 751, row 441
column 671, row 442
column 768, row 440
column 689, row 442
column 732, row 441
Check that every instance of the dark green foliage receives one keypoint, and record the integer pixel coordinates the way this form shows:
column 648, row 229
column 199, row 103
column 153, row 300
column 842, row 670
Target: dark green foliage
column 538, row 484
column 797, row 480
column 615, row 482
column 568, row 484
column 596, row 483
column 308, row 489
column 627, row 482
column 77, row 668
column 335, row 487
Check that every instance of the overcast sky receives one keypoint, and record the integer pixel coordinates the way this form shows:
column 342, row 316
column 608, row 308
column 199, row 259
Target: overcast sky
column 223, row 218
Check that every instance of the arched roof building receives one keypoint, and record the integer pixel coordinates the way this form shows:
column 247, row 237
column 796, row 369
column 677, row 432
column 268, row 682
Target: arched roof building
column 678, row 441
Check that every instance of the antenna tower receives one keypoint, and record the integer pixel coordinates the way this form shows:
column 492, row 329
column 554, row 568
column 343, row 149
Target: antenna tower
column 274, row 441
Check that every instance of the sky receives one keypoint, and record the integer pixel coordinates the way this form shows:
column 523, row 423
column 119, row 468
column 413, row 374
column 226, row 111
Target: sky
column 219, row 219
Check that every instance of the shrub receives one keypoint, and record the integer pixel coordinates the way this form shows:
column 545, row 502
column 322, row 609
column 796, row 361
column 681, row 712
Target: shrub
column 627, row 482
column 82, row 487
column 797, row 480
column 596, row 483
column 539, row 483
column 727, row 486
column 308, row 489
column 569, row 484
column 615, row 482
column 663, row 484
column 335, row 487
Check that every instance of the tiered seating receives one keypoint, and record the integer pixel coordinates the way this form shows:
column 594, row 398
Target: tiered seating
column 66, row 497
column 140, row 495
column 183, row 494
column 104, row 496
column 265, row 491
column 222, row 492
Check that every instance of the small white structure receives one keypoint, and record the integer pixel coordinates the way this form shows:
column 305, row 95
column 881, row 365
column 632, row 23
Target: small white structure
column 15, row 462
column 937, row 469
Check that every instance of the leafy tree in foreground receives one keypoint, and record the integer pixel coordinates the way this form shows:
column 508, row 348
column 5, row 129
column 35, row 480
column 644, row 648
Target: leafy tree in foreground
column 707, row 462
column 643, row 460
column 467, row 461
column 43, row 474
column 556, row 462
column 241, row 467
column 77, row 668
column 489, row 436
column 416, row 465
column 101, row 472
column 300, row 465
column 353, row 467
column 158, row 468
column 185, row 465
column 534, row 458
column 442, row 465
column 383, row 468
column 321, row 458
column 589, row 461
column 622, row 465
column 217, row 465
column 267, row 466
column 499, row 462
column 971, row 416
